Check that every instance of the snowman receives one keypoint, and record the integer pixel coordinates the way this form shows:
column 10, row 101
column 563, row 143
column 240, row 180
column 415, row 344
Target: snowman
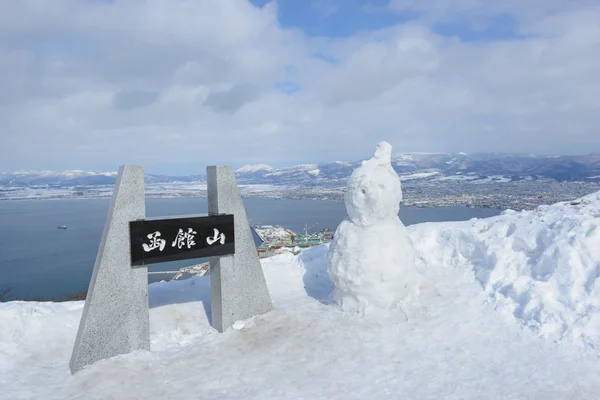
column 371, row 259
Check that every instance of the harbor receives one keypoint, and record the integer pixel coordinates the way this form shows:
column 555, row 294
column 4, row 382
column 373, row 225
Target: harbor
column 270, row 240
column 275, row 239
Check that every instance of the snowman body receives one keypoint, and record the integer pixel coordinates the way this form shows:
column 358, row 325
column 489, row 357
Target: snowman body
column 371, row 259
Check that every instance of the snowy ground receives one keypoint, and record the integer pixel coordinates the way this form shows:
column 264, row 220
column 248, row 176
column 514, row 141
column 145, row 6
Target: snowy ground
column 515, row 317
column 171, row 189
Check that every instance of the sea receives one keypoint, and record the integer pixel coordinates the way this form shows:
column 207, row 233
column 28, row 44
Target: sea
column 39, row 260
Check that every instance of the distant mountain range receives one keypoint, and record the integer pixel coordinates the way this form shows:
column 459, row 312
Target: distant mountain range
column 81, row 178
column 475, row 168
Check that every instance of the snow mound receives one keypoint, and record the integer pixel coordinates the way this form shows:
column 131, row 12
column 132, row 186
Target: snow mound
column 541, row 266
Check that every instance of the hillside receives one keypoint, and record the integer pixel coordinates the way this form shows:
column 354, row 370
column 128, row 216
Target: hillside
column 515, row 314
column 474, row 168
column 442, row 166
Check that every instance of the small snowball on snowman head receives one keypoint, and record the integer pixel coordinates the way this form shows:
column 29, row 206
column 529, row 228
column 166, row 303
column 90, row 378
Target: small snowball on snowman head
column 371, row 260
column 383, row 153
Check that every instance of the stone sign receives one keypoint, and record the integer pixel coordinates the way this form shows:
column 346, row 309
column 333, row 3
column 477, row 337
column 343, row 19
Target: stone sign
column 162, row 240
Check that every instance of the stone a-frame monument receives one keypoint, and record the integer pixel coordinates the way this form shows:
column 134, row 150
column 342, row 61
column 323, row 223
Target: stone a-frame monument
column 115, row 317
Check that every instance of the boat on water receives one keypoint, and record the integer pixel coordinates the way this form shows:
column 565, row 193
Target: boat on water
column 61, row 227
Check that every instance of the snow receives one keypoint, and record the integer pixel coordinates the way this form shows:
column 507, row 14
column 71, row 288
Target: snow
column 422, row 153
column 541, row 266
column 166, row 189
column 463, row 342
column 373, row 266
column 471, row 177
column 493, row 179
column 373, row 190
column 253, row 168
column 372, row 259
column 74, row 173
column 304, row 167
column 458, row 178
column 294, row 170
column 315, row 171
column 418, row 175
column 255, row 188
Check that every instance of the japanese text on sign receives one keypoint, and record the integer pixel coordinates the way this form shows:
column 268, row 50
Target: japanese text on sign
column 154, row 241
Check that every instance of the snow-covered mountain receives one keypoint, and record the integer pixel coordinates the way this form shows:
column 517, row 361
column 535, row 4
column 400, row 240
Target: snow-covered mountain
column 515, row 315
column 83, row 178
column 54, row 177
column 434, row 166
column 249, row 169
column 484, row 167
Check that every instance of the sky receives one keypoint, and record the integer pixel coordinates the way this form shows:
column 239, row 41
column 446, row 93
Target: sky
column 175, row 85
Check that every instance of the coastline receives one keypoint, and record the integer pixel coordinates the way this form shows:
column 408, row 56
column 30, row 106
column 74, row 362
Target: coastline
column 518, row 195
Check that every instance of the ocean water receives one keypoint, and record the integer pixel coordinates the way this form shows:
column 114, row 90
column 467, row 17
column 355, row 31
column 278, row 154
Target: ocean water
column 37, row 259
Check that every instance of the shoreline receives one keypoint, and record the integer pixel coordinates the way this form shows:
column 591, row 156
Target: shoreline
column 415, row 204
column 419, row 204
column 518, row 195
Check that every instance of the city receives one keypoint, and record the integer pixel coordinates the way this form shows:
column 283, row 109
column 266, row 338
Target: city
column 516, row 195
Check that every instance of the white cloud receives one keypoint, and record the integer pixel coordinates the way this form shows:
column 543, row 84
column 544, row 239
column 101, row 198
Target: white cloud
column 158, row 82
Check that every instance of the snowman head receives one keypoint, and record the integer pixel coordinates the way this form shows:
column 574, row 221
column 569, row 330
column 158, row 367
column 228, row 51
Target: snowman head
column 374, row 191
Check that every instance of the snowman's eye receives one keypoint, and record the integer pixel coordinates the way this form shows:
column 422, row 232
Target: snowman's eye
column 381, row 186
column 363, row 191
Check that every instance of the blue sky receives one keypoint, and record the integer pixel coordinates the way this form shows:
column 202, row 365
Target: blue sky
column 336, row 18
column 178, row 84
column 345, row 18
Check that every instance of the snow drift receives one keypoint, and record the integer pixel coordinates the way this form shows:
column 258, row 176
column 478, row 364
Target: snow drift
column 542, row 266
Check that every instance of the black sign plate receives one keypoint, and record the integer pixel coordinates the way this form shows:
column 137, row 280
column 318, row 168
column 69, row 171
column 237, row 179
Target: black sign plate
column 161, row 240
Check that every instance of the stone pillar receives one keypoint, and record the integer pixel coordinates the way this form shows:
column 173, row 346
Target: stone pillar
column 238, row 289
column 115, row 317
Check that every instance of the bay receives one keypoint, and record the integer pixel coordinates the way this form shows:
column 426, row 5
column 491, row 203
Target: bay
column 39, row 260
